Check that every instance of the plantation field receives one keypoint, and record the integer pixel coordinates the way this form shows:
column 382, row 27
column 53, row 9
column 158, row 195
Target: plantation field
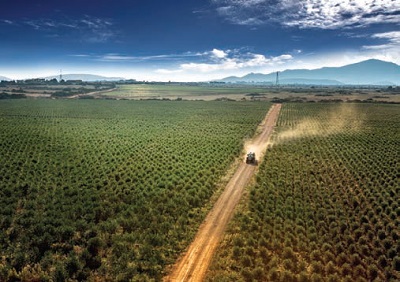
column 50, row 90
column 250, row 92
column 326, row 202
column 174, row 91
column 110, row 190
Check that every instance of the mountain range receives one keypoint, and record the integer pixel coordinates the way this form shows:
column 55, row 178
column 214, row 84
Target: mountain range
column 85, row 77
column 4, row 78
column 369, row 72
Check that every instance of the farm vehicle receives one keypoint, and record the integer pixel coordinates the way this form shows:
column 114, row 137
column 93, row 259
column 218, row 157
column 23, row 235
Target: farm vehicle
column 251, row 158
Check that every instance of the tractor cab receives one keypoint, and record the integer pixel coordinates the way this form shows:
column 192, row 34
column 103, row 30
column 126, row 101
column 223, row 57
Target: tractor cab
column 251, row 158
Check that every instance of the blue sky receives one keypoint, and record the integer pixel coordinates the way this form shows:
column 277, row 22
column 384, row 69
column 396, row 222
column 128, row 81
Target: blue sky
column 187, row 40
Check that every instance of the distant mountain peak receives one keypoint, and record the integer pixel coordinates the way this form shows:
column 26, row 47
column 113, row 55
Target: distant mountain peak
column 369, row 72
column 375, row 61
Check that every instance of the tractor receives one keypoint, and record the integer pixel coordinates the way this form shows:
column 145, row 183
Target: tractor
column 251, row 158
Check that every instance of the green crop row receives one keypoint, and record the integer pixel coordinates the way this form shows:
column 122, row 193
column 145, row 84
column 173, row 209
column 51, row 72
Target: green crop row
column 110, row 190
column 325, row 206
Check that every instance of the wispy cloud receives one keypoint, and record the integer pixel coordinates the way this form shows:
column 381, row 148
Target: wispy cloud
column 80, row 55
column 112, row 57
column 7, row 22
column 91, row 29
column 388, row 49
column 332, row 14
column 392, row 40
column 228, row 60
column 116, row 58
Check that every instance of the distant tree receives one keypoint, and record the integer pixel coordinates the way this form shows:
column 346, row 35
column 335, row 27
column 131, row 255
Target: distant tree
column 53, row 81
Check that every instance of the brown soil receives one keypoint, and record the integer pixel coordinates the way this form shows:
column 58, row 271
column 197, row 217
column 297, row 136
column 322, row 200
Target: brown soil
column 193, row 265
column 95, row 93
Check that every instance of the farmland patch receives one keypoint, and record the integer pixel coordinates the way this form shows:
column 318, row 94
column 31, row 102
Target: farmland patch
column 97, row 189
column 325, row 206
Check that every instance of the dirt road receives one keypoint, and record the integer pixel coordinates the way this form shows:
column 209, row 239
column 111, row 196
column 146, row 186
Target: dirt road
column 193, row 265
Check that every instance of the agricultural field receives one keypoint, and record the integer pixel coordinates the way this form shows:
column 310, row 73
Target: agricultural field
column 197, row 91
column 105, row 190
column 251, row 92
column 183, row 91
column 325, row 205
column 51, row 90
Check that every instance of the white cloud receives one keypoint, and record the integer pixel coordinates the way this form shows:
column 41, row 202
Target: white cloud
column 219, row 53
column 229, row 61
column 332, row 14
column 80, row 55
column 282, row 58
column 388, row 50
column 392, row 36
column 166, row 71
column 116, row 57
column 392, row 41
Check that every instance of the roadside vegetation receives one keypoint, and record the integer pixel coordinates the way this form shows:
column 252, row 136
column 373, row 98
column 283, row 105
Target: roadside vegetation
column 110, row 190
column 325, row 203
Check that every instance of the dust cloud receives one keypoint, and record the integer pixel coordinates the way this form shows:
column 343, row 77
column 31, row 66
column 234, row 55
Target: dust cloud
column 260, row 144
column 258, row 149
column 344, row 118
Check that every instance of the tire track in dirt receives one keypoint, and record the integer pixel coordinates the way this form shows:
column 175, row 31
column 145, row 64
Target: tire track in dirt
column 193, row 265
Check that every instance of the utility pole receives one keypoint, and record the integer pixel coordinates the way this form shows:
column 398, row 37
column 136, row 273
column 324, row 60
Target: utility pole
column 277, row 78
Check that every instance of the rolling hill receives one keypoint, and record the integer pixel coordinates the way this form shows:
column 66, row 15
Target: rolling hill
column 4, row 78
column 85, row 77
